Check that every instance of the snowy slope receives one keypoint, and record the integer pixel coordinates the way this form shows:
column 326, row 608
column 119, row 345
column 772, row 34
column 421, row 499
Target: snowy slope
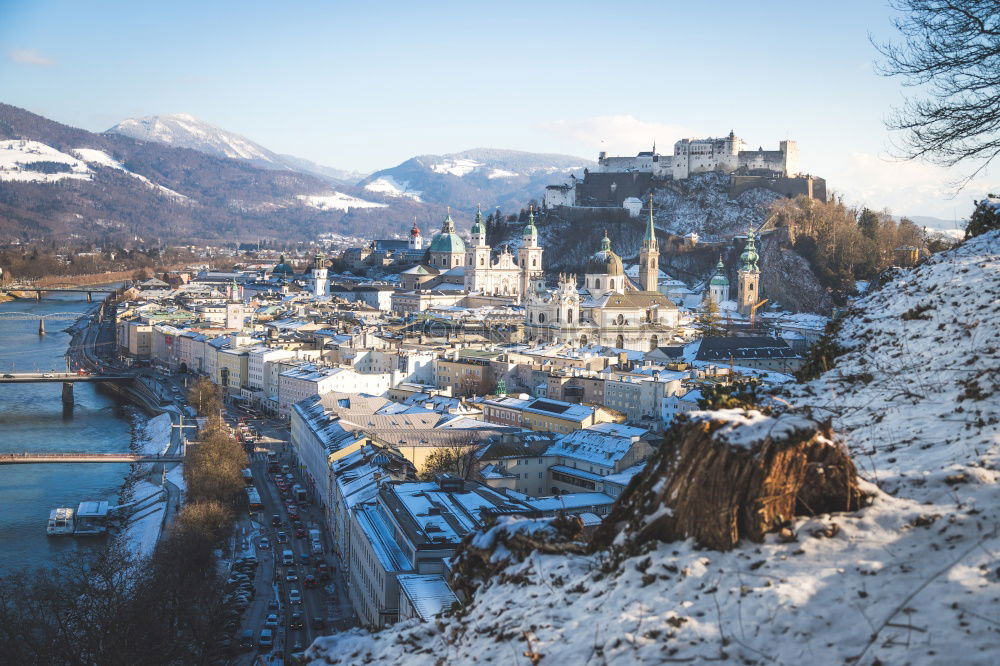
column 491, row 177
column 913, row 578
column 33, row 161
column 183, row 130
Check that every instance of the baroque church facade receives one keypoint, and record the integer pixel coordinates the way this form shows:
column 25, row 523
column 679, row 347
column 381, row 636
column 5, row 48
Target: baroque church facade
column 608, row 309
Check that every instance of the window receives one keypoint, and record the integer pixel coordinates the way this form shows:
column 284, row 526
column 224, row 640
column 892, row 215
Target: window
column 541, row 475
column 597, row 284
column 569, row 316
column 541, row 317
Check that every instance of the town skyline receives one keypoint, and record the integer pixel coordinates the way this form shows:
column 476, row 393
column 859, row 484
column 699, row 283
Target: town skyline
column 313, row 93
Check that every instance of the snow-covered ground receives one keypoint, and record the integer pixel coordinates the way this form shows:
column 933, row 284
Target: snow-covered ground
column 176, row 477
column 153, row 436
column 456, row 167
column 101, row 158
column 19, row 162
column 391, row 187
column 912, row 578
column 143, row 530
column 336, row 201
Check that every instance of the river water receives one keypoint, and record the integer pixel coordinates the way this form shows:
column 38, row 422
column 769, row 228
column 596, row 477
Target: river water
column 32, row 419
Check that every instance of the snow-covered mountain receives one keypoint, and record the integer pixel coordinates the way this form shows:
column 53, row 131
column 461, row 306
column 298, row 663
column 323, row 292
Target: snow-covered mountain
column 910, row 578
column 487, row 176
column 182, row 130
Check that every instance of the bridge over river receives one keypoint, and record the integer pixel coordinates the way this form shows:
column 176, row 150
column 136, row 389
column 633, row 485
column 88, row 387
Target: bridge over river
column 32, row 458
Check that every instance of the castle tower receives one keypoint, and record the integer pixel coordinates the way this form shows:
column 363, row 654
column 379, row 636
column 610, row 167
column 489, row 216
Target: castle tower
column 530, row 259
column 718, row 286
column 319, row 282
column 649, row 256
column 416, row 240
column 477, row 257
column 749, row 277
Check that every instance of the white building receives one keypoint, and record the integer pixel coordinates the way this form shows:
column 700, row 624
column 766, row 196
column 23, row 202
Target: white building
column 308, row 380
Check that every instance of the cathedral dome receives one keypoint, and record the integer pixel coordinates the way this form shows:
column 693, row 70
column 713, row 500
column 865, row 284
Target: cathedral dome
column 604, row 261
column 282, row 268
column 448, row 240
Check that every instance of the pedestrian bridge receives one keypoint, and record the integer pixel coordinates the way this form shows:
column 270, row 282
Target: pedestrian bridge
column 63, row 377
column 32, row 458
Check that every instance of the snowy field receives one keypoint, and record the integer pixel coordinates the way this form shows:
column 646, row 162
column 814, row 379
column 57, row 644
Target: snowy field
column 336, row 201
column 142, row 532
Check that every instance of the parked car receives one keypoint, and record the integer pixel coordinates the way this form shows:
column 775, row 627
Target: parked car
column 48, row 374
column 318, row 623
column 304, row 557
column 294, row 596
column 264, row 544
column 310, row 582
column 271, row 620
column 292, row 575
column 266, row 640
column 8, row 376
column 275, row 520
column 282, row 537
column 295, row 622
column 300, row 533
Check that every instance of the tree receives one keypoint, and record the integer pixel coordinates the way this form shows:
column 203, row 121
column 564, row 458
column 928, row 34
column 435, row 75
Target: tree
column 985, row 218
column 457, row 461
column 950, row 51
column 709, row 319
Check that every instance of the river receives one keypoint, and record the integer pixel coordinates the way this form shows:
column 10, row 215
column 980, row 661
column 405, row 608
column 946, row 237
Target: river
column 32, row 419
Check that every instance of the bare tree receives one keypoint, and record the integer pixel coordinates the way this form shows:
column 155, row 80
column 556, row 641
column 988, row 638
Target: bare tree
column 950, row 55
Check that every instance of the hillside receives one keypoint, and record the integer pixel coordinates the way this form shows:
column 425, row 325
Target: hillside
column 182, row 130
column 491, row 177
column 910, row 578
column 58, row 180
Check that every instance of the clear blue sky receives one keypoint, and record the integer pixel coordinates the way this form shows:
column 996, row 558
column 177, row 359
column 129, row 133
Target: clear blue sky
column 366, row 85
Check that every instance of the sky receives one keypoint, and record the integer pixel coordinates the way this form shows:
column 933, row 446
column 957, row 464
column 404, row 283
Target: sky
column 367, row 85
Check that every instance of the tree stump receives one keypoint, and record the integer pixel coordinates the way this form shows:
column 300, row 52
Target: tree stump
column 732, row 474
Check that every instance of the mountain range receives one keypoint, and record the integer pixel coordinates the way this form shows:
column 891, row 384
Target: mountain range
column 177, row 178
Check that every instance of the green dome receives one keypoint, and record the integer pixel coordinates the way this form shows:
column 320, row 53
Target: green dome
column 750, row 256
column 282, row 268
column 477, row 226
column 720, row 279
column 530, row 229
column 448, row 240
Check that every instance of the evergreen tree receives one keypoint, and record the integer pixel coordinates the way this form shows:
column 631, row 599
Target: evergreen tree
column 709, row 319
column 985, row 218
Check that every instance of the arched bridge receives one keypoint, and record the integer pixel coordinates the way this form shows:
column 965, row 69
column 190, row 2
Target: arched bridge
column 31, row 458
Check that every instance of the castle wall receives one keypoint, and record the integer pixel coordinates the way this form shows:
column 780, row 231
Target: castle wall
column 611, row 189
column 810, row 186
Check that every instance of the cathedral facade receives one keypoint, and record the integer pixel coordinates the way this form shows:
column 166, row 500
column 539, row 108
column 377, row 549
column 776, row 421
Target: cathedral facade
column 608, row 309
column 488, row 276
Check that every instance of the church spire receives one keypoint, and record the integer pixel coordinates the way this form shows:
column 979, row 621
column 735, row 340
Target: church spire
column 649, row 239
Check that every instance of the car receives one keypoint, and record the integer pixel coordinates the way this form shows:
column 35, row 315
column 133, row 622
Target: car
column 264, row 543
column 292, row 575
column 323, row 571
column 266, row 640
column 275, row 520
column 48, row 374
column 272, row 605
column 304, row 557
column 281, row 537
column 8, row 376
column 246, row 639
column 294, row 596
column 310, row 581
column 300, row 533
column 271, row 620
column 295, row 622
column 318, row 623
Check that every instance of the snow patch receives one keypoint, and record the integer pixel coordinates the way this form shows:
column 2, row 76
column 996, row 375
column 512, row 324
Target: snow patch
column 501, row 173
column 336, row 201
column 19, row 162
column 391, row 187
column 456, row 167
column 101, row 158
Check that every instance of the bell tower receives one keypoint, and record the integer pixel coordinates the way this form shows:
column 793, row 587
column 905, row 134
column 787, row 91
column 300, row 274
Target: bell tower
column 530, row 259
column 478, row 257
column 649, row 255
column 749, row 277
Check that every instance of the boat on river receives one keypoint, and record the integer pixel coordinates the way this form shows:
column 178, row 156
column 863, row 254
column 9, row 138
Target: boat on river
column 60, row 522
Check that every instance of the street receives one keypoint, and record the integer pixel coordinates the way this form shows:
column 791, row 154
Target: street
column 327, row 602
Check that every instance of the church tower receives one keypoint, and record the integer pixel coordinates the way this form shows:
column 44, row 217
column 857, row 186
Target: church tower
column 416, row 240
column 749, row 277
column 718, row 286
column 477, row 257
column 530, row 259
column 319, row 279
column 649, row 256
